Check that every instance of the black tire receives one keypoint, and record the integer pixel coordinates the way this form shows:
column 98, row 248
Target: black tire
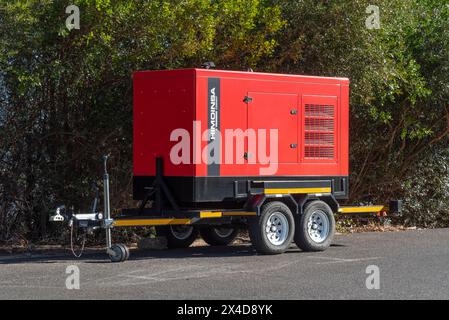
column 321, row 239
column 126, row 252
column 120, row 253
column 219, row 236
column 178, row 236
column 259, row 235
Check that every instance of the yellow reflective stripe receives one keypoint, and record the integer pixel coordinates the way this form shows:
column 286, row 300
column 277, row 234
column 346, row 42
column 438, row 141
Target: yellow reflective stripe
column 210, row 214
column 297, row 190
column 361, row 209
column 149, row 222
column 241, row 213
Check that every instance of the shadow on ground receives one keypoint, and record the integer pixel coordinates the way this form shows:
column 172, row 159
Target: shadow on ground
column 99, row 256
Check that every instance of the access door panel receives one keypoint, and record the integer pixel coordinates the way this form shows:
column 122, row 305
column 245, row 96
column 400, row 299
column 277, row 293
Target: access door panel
column 276, row 111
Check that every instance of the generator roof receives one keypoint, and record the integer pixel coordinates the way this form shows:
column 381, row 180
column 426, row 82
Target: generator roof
column 242, row 74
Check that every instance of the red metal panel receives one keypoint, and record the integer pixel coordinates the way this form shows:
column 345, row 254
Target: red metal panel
column 344, row 130
column 163, row 102
column 276, row 111
column 166, row 100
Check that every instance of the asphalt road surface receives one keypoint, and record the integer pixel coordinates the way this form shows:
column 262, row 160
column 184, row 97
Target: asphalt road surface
column 412, row 265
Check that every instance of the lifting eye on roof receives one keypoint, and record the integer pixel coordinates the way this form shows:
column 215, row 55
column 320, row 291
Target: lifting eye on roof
column 208, row 65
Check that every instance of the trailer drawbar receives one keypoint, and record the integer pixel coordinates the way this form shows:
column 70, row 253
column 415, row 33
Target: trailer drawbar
column 216, row 151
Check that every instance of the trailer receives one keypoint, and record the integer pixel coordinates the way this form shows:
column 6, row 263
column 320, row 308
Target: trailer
column 216, row 151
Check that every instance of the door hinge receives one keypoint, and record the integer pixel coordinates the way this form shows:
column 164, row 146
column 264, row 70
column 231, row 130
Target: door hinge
column 247, row 99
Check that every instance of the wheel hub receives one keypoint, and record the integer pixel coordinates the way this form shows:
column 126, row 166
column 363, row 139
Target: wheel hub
column 277, row 229
column 318, row 226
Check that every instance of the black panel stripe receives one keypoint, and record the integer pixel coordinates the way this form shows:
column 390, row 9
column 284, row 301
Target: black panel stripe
column 213, row 110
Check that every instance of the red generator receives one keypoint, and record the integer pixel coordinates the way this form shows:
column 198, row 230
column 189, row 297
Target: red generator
column 237, row 148
column 217, row 151
column 310, row 115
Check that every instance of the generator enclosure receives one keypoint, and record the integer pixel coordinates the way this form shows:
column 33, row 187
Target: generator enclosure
column 208, row 127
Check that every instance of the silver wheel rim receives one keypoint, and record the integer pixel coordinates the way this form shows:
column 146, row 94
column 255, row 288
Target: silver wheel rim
column 223, row 232
column 181, row 232
column 277, row 228
column 318, row 226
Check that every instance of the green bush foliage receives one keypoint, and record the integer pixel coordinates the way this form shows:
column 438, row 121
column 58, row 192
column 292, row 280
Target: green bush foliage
column 66, row 96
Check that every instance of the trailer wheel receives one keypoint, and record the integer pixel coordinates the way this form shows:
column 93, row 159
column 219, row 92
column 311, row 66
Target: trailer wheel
column 126, row 252
column 178, row 236
column 121, row 253
column 272, row 232
column 316, row 227
column 218, row 236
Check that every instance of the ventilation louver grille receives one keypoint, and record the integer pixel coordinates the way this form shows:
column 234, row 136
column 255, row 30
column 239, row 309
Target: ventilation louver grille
column 319, row 131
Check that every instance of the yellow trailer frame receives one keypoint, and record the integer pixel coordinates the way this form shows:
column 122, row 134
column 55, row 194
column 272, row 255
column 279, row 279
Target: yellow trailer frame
column 160, row 221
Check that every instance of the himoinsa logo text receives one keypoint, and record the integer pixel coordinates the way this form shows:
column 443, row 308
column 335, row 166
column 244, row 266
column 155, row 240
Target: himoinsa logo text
column 213, row 114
